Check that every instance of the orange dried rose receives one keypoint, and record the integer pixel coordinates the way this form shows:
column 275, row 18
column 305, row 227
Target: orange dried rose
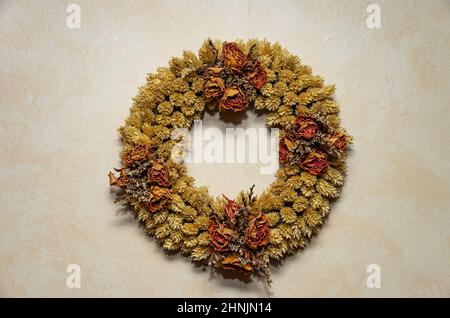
column 220, row 235
column 338, row 140
column 305, row 127
column 120, row 181
column 138, row 153
column 231, row 208
column 257, row 232
column 234, row 99
column 258, row 76
column 213, row 87
column 158, row 173
column 315, row 162
column 160, row 198
column 285, row 146
column 233, row 57
column 234, row 263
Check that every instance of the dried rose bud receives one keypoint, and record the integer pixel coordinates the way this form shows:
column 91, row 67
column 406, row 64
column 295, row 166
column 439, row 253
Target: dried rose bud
column 285, row 146
column 233, row 57
column 315, row 162
column 120, row 181
column 234, row 263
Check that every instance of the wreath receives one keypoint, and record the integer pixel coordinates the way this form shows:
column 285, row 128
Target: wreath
column 246, row 233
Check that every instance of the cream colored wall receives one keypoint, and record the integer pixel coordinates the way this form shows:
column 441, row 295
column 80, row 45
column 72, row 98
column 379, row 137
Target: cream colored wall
column 63, row 93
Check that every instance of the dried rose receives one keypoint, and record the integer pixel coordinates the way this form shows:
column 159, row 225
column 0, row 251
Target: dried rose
column 220, row 235
column 213, row 87
column 258, row 76
column 234, row 263
column 120, row 181
column 234, row 99
column 285, row 146
column 138, row 153
column 160, row 198
column 231, row 209
column 338, row 140
column 158, row 173
column 233, row 57
column 315, row 162
column 257, row 232
column 305, row 127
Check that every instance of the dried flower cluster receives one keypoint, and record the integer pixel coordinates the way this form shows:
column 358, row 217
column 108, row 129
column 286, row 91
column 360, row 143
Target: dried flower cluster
column 245, row 233
column 239, row 236
column 232, row 78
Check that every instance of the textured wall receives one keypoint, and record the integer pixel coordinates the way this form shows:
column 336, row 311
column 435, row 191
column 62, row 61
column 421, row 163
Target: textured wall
column 63, row 93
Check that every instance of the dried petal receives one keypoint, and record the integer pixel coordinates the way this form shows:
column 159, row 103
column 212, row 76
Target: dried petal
column 220, row 235
column 257, row 232
column 231, row 209
column 258, row 76
column 158, row 173
column 338, row 140
column 138, row 153
column 305, row 127
column 160, row 198
column 234, row 263
column 315, row 162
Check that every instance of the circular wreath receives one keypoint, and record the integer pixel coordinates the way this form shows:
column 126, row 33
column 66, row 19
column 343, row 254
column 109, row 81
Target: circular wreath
column 248, row 232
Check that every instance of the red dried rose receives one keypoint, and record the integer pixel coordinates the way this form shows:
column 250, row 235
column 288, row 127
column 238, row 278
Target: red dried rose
column 233, row 57
column 305, row 127
column 138, row 153
column 315, row 162
column 338, row 140
column 120, row 181
column 231, row 209
column 234, row 99
column 234, row 263
column 257, row 232
column 258, row 76
column 158, row 173
column 285, row 146
column 213, row 87
column 160, row 198
column 220, row 235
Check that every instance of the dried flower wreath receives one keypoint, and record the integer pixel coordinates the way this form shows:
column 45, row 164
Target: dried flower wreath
column 246, row 233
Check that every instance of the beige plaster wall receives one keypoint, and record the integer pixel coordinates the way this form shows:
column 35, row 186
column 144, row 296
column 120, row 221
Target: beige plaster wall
column 63, row 92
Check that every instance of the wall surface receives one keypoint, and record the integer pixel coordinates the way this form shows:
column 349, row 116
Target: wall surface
column 63, row 93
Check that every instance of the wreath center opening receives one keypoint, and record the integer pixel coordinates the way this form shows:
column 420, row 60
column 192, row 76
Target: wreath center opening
column 230, row 152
